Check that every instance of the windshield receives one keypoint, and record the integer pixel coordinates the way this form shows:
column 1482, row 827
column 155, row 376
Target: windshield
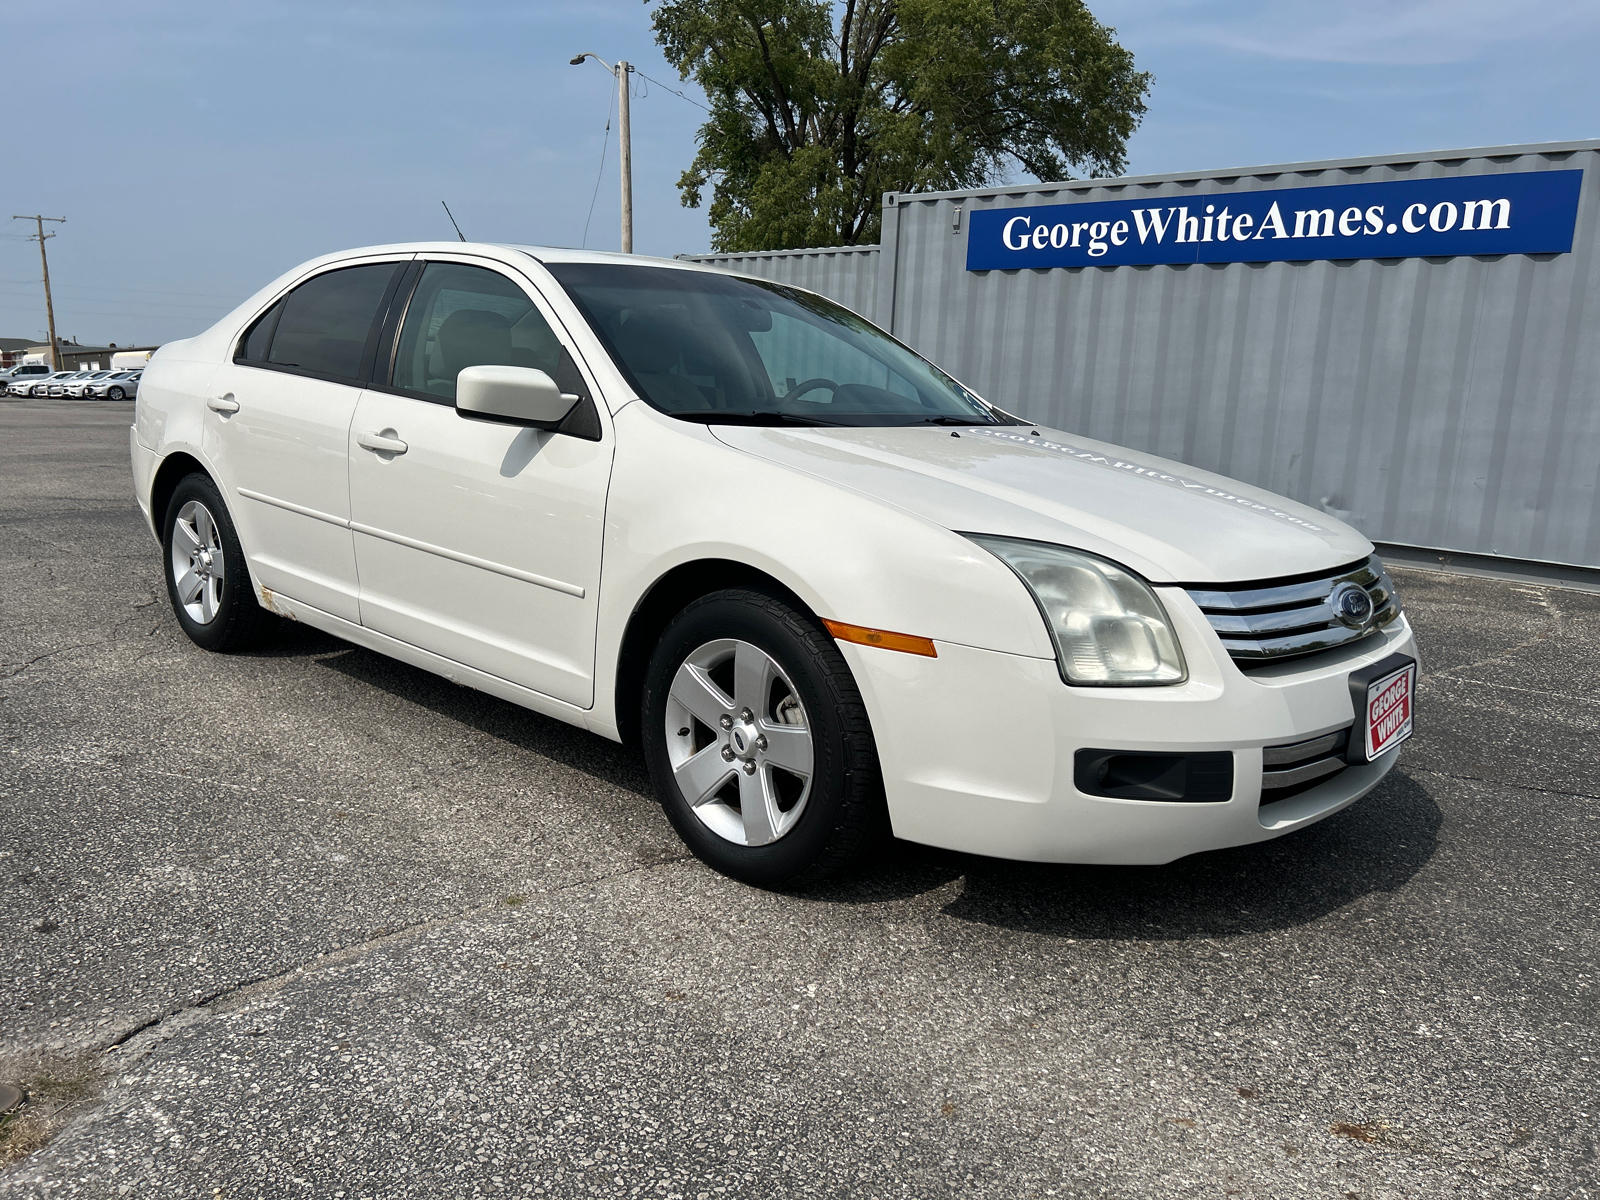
column 722, row 350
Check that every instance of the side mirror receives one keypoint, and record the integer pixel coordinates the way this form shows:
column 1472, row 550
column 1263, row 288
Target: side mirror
column 523, row 395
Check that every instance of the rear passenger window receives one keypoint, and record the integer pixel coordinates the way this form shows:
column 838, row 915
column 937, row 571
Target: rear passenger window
column 465, row 316
column 254, row 346
column 326, row 322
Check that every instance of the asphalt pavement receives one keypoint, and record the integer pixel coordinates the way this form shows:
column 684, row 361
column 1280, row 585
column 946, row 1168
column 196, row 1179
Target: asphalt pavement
column 309, row 922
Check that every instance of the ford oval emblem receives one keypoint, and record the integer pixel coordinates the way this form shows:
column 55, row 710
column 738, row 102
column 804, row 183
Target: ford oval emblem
column 1351, row 605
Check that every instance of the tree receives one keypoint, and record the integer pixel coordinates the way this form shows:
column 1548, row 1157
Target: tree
column 818, row 108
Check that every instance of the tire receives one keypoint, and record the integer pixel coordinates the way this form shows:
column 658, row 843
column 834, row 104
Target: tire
column 720, row 719
column 114, row 393
column 221, row 613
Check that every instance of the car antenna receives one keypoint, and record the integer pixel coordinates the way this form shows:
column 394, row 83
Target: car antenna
column 451, row 215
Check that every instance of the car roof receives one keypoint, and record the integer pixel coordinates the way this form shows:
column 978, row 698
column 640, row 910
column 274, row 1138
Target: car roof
column 544, row 254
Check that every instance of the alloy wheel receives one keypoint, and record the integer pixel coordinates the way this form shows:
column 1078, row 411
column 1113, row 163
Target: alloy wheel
column 738, row 742
column 198, row 566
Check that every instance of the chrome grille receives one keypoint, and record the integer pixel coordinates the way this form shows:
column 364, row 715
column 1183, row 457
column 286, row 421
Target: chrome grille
column 1275, row 620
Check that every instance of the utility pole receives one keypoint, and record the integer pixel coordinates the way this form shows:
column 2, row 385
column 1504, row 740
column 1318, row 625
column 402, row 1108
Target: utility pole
column 625, row 128
column 44, row 263
column 622, row 70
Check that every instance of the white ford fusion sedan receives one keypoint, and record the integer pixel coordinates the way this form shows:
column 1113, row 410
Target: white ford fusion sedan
column 830, row 591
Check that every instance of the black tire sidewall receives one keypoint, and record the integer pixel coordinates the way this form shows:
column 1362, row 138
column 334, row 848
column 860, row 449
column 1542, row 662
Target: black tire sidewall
column 239, row 618
column 845, row 771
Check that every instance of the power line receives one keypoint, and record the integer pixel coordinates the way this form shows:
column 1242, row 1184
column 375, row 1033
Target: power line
column 121, row 316
column 91, row 287
column 601, row 174
column 673, row 90
column 130, row 305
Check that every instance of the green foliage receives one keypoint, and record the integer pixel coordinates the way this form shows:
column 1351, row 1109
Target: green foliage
column 818, row 108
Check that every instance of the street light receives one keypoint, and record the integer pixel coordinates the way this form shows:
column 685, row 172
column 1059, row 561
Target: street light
column 622, row 70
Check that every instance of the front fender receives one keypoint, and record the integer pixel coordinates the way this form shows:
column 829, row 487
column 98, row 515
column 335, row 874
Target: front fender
column 678, row 495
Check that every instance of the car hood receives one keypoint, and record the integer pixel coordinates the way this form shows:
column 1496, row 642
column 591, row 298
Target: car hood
column 1169, row 522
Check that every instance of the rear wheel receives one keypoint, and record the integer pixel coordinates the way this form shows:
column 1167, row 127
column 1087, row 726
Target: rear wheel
column 758, row 742
column 207, row 579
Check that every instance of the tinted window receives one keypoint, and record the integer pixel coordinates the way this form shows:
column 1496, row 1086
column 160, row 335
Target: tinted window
column 326, row 321
column 464, row 316
column 254, row 346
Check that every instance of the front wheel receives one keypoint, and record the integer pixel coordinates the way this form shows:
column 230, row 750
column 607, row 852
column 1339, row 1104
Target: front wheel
column 758, row 742
column 115, row 393
column 207, row 579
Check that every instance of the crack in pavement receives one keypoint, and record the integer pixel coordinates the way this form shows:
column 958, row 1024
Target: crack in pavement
column 1518, row 787
column 242, row 993
column 38, row 658
column 134, row 1044
column 1557, row 624
column 1507, row 687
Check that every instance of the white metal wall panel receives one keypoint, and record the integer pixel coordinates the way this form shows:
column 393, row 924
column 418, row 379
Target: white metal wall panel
column 1449, row 403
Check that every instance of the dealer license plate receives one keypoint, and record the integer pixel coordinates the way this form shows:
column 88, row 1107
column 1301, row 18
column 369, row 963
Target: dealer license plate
column 1388, row 719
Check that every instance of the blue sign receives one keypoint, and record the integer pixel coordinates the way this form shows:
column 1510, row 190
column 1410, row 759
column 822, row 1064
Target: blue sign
column 1524, row 212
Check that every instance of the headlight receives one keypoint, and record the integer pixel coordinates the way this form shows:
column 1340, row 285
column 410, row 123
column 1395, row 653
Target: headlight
column 1108, row 626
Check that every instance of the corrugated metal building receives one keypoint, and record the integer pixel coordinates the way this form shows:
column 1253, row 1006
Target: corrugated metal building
column 1448, row 402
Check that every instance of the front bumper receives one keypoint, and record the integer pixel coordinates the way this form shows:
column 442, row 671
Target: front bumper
column 978, row 747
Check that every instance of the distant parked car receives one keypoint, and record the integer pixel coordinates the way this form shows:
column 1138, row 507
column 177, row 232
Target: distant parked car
column 39, row 385
column 22, row 376
column 58, row 386
column 118, row 385
column 79, row 387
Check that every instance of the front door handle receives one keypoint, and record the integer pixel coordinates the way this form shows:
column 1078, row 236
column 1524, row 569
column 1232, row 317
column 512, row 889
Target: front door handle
column 380, row 444
column 223, row 404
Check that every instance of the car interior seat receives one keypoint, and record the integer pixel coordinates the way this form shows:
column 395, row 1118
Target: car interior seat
column 650, row 347
column 473, row 337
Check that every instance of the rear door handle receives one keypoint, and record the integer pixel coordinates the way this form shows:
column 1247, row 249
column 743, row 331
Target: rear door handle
column 223, row 404
column 380, row 444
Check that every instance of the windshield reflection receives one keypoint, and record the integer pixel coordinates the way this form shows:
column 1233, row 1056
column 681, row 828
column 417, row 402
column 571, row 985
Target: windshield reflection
column 724, row 350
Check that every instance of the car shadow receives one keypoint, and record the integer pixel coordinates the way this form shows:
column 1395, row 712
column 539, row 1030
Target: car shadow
column 1375, row 846
column 555, row 740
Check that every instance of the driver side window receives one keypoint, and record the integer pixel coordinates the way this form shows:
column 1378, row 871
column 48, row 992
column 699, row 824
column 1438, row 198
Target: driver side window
column 463, row 316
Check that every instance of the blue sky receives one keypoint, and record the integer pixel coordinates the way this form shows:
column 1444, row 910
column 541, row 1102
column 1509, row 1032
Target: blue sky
column 200, row 149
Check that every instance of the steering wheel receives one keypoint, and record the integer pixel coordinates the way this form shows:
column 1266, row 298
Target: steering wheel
column 810, row 385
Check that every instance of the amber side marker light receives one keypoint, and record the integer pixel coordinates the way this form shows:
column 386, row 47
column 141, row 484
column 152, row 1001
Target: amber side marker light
column 882, row 638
